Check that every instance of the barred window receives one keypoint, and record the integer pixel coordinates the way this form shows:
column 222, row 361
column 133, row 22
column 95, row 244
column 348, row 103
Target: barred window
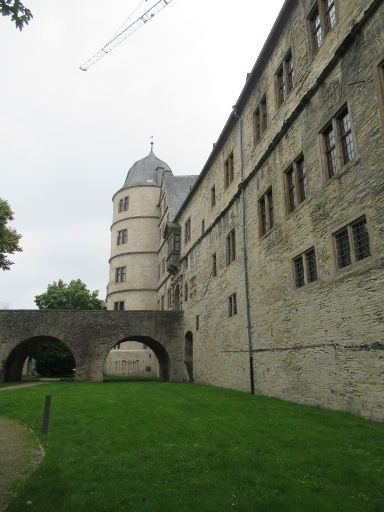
column 310, row 261
column 284, row 79
column 122, row 236
column 330, row 150
column 266, row 217
column 120, row 274
column 299, row 271
column 187, row 231
column 330, row 14
column 360, row 239
column 296, row 184
column 123, row 204
column 346, row 136
column 214, row 265
column 321, row 20
column 228, row 171
column 232, row 305
column 305, row 268
column 352, row 243
column 230, row 247
column 213, row 196
column 339, row 146
column 260, row 119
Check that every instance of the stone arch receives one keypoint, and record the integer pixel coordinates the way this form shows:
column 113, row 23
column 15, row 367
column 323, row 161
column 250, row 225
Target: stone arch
column 188, row 355
column 13, row 366
column 158, row 349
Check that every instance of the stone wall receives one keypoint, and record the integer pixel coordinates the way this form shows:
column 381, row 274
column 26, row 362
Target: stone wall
column 91, row 335
column 321, row 343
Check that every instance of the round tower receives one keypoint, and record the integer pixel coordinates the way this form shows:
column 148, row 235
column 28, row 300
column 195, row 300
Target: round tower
column 133, row 263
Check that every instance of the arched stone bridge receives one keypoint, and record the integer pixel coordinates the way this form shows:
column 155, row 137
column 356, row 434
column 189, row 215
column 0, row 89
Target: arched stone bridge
column 90, row 335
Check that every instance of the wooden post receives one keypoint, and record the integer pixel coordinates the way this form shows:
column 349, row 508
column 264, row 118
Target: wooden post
column 47, row 409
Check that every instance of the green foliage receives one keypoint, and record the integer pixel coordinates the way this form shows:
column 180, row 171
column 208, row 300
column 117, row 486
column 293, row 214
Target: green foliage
column 21, row 15
column 75, row 295
column 162, row 447
column 9, row 238
column 53, row 359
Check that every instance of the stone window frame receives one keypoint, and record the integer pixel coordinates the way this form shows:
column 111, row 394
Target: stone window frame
column 123, row 204
column 119, row 305
column 122, row 236
column 121, row 274
column 320, row 10
column 348, row 227
column 294, row 186
column 260, row 119
column 230, row 247
column 334, row 125
column 214, row 265
column 232, row 305
column 192, row 287
column 303, row 272
column 187, row 230
column 284, row 79
column 266, row 213
column 185, row 292
column 229, row 170
column 213, row 196
column 379, row 72
column 162, row 302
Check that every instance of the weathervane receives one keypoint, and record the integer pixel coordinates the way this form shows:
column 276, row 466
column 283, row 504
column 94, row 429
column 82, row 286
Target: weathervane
column 152, row 143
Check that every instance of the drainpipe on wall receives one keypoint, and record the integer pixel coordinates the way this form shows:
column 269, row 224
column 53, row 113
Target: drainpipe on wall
column 245, row 258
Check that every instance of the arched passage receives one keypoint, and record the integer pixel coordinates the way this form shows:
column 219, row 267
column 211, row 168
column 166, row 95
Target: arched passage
column 13, row 367
column 188, row 355
column 157, row 348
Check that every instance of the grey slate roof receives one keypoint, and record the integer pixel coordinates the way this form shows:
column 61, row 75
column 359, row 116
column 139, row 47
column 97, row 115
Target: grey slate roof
column 176, row 189
column 146, row 172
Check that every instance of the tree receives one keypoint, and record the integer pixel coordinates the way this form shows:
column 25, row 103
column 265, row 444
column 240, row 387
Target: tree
column 55, row 359
column 21, row 15
column 9, row 238
column 74, row 295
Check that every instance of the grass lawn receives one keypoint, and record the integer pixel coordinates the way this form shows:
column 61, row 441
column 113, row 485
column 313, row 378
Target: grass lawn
column 159, row 447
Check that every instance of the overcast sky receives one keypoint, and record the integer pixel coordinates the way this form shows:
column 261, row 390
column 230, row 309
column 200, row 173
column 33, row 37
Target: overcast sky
column 68, row 137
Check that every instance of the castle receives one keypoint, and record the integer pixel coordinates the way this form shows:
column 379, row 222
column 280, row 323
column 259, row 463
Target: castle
column 275, row 251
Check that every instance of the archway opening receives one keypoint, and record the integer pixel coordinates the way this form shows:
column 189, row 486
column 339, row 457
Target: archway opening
column 188, row 355
column 40, row 356
column 137, row 358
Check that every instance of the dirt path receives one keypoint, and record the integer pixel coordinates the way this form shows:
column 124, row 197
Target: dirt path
column 20, row 452
column 17, row 386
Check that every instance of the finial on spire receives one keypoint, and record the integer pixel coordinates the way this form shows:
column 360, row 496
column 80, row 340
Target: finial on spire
column 151, row 143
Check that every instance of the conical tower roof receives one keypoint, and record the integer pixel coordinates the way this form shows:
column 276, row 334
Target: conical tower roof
column 146, row 172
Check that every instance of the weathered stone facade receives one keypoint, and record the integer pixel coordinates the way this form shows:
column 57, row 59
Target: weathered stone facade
column 320, row 343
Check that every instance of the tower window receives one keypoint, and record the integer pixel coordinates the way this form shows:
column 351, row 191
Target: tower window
column 122, row 236
column 119, row 306
column 121, row 274
column 123, row 204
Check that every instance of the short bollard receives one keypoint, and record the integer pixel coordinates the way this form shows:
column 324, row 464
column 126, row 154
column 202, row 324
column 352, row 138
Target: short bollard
column 47, row 409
